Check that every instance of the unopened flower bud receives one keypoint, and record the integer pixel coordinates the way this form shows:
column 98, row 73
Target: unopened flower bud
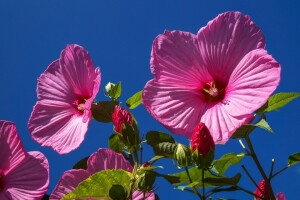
column 262, row 191
column 183, row 155
column 202, row 140
column 119, row 117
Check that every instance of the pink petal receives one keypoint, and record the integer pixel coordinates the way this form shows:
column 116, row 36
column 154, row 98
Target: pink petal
column 57, row 126
column 252, row 82
column 78, row 71
column 221, row 124
column 29, row 180
column 226, row 40
column 175, row 60
column 105, row 159
column 12, row 151
column 138, row 195
column 68, row 182
column 178, row 109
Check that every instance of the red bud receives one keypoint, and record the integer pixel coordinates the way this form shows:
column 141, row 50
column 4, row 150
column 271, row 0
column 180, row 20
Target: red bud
column 262, row 191
column 202, row 140
column 119, row 117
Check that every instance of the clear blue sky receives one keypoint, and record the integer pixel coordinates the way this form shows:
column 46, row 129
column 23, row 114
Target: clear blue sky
column 118, row 36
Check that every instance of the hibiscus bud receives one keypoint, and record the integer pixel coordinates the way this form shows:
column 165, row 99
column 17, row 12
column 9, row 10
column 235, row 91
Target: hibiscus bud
column 182, row 155
column 262, row 191
column 202, row 140
column 117, row 192
column 120, row 116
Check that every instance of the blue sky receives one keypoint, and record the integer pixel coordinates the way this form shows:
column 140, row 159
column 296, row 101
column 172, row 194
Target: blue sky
column 118, row 36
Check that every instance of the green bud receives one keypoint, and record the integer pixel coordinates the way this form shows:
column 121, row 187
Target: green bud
column 183, row 155
column 145, row 181
column 117, row 192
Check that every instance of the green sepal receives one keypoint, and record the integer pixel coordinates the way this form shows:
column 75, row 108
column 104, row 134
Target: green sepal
column 130, row 137
column 99, row 184
column 203, row 161
column 277, row 101
column 227, row 160
column 103, row 110
column 135, row 100
column 115, row 143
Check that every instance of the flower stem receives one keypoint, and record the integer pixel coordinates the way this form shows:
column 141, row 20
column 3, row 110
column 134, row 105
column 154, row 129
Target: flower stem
column 251, row 178
column 203, row 186
column 279, row 172
column 194, row 189
column 246, row 191
column 262, row 172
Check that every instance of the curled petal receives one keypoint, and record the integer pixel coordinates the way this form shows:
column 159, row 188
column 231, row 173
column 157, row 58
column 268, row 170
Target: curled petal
column 105, row 159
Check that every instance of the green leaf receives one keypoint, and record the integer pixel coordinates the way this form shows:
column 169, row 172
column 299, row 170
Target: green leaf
column 135, row 100
column 103, row 110
column 113, row 90
column 294, row 159
column 82, row 164
column 99, row 184
column 155, row 158
column 196, row 176
column 165, row 149
column 246, row 129
column 115, row 143
column 154, row 137
column 222, row 164
column 277, row 101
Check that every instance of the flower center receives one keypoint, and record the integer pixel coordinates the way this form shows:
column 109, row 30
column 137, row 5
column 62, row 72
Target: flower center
column 214, row 91
column 79, row 104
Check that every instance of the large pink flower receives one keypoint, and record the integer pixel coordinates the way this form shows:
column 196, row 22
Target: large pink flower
column 22, row 175
column 219, row 76
column 103, row 159
column 65, row 91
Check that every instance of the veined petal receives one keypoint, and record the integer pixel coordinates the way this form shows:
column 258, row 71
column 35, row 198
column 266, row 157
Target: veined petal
column 105, row 159
column 12, row 151
column 139, row 195
column 78, row 71
column 57, row 126
column 225, row 40
column 68, row 182
column 252, row 82
column 175, row 60
column 178, row 109
column 221, row 124
column 30, row 179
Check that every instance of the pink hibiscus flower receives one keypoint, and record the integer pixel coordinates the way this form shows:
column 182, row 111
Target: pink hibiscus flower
column 22, row 175
column 219, row 76
column 103, row 159
column 65, row 91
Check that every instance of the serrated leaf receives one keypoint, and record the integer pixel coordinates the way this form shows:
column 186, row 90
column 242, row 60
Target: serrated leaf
column 246, row 129
column 102, row 111
column 99, row 184
column 223, row 163
column 196, row 176
column 135, row 100
column 82, row 164
column 277, row 101
column 294, row 159
column 165, row 149
column 115, row 143
column 155, row 137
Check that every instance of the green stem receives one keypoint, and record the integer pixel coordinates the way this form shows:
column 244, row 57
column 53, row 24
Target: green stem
column 251, row 178
column 279, row 172
column 203, row 186
column 246, row 191
column 194, row 189
column 256, row 161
